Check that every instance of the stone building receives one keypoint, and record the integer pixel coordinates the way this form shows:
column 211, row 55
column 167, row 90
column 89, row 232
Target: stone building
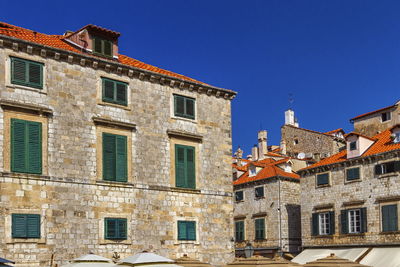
column 349, row 201
column 102, row 153
column 374, row 122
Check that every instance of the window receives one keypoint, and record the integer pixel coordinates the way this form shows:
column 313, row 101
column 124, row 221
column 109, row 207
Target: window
column 389, row 218
column 115, row 228
column 396, row 138
column 114, row 92
column 259, row 192
column 186, row 230
column 323, row 223
column 25, row 226
column 296, row 141
column 239, row 230
column 259, row 226
column 239, row 195
column 185, row 171
column 115, row 157
column 353, row 174
column 387, row 167
column 26, row 72
column 26, row 146
column 354, row 221
column 353, row 145
column 184, row 107
column 322, row 179
column 102, row 47
column 252, row 171
column 386, row 116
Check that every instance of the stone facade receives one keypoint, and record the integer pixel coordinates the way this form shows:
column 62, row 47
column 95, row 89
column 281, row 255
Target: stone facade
column 71, row 196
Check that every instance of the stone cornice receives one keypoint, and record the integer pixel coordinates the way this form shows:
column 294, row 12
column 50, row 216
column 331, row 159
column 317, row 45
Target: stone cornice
column 114, row 123
column 112, row 67
column 184, row 134
column 265, row 181
column 8, row 104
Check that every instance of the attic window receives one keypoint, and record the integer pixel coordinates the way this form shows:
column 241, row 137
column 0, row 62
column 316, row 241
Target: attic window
column 102, row 47
column 396, row 139
column 252, row 171
column 353, row 145
column 386, row 116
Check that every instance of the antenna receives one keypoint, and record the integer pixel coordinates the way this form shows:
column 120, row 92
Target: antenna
column 291, row 100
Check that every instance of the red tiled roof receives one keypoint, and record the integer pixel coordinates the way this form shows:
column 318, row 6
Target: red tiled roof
column 383, row 143
column 372, row 112
column 335, row 131
column 56, row 41
column 358, row 134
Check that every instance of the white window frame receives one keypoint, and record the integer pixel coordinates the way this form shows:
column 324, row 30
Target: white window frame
column 354, row 221
column 388, row 116
column 324, row 222
column 396, row 139
column 252, row 171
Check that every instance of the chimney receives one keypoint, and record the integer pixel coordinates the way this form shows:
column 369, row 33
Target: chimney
column 262, row 144
column 249, row 157
column 254, row 153
column 289, row 118
column 283, row 147
column 238, row 156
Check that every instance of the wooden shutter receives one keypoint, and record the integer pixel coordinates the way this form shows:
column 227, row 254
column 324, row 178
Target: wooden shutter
column 34, row 147
column 121, row 95
column 191, row 230
column 397, row 166
column 180, row 166
column 107, row 45
column 108, row 90
column 121, row 158
column 389, row 218
column 322, row 179
column 182, row 231
column 33, row 225
column 18, row 226
column 239, row 231
column 35, row 74
column 259, row 228
column 344, row 221
column 378, row 169
column 363, row 212
column 353, row 174
column 110, row 228
column 190, row 108
column 18, row 146
column 122, row 228
column 97, row 45
column 109, row 156
column 190, row 167
column 315, row 224
column 18, row 71
column 179, row 105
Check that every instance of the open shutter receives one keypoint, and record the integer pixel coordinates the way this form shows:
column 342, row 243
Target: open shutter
column 344, row 221
column 18, row 71
column 190, row 167
column 122, row 228
column 18, row 145
column 363, row 212
column 121, row 93
column 19, row 226
column 108, row 90
column 182, row 231
column 378, row 169
column 34, row 147
column 332, row 222
column 33, row 225
column 109, row 156
column 121, row 165
column 110, row 228
column 180, row 166
column 191, row 230
column 315, row 224
column 35, row 75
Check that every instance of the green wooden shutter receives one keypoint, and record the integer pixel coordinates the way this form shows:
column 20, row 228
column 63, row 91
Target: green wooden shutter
column 121, row 158
column 353, row 174
column 33, row 225
column 191, row 230
column 180, row 167
column 332, row 222
column 122, row 228
column 34, row 147
column 107, row 46
column 108, row 90
column 259, row 225
column 315, row 224
column 190, row 168
column 121, row 94
column 397, row 166
column 18, row 146
column 18, row 71
column 97, row 45
column 182, row 231
column 378, row 169
column 344, row 221
column 109, row 157
column 389, row 218
column 189, row 108
column 18, row 226
column 35, row 74
column 322, row 179
column 110, row 228
column 363, row 212
column 179, row 105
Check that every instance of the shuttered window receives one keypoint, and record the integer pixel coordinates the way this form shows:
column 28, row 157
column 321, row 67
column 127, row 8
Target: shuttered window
column 184, row 107
column 186, row 230
column 239, row 230
column 238, row 195
column 115, row 228
column 387, row 167
column 26, row 146
column 115, row 159
column 102, row 47
column 353, row 221
column 323, row 223
column 115, row 92
column 259, row 225
column 389, row 218
column 259, row 192
column 185, row 170
column 353, row 174
column 322, row 179
column 25, row 226
column 26, row 72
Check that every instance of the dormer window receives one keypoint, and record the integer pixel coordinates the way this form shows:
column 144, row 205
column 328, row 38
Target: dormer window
column 386, row 116
column 102, row 47
column 353, row 145
column 252, row 171
column 396, row 139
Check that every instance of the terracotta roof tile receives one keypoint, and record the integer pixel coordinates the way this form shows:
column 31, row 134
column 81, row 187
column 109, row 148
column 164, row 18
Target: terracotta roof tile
column 335, row 131
column 372, row 112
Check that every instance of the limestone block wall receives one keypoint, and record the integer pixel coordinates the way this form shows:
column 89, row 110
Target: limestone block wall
column 70, row 194
column 370, row 191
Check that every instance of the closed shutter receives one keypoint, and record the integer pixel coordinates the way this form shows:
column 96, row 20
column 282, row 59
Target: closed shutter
column 332, row 222
column 344, row 221
column 122, row 228
column 121, row 94
column 397, row 166
column 109, row 156
column 18, row 71
column 260, row 228
column 389, row 218
column 35, row 75
column 179, row 105
column 378, row 169
column 33, row 225
column 364, row 222
column 107, row 48
column 180, row 166
column 97, row 45
column 182, row 231
column 110, row 228
column 190, row 167
column 191, row 230
column 34, row 147
column 323, row 179
column 18, row 145
column 121, row 155
column 353, row 174
column 315, row 224
column 190, row 108
column 18, row 226
column 108, row 90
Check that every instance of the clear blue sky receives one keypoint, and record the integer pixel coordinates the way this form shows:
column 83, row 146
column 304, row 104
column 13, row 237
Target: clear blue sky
column 338, row 58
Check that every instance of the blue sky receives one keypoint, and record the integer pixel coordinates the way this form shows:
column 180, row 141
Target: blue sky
column 337, row 58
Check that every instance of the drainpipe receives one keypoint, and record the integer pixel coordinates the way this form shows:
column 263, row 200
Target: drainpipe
column 280, row 216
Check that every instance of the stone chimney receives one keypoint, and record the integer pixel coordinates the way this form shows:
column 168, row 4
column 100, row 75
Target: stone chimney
column 290, row 119
column 262, row 144
column 238, row 156
column 254, row 153
column 283, row 147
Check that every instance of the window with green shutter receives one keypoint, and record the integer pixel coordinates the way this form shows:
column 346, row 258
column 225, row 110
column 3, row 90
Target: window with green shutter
column 185, row 169
column 239, row 231
column 115, row 92
column 186, row 230
column 25, row 226
column 115, row 158
column 389, row 218
column 26, row 72
column 353, row 174
column 259, row 225
column 102, row 47
column 115, row 228
column 322, row 179
column 26, row 146
column 184, row 107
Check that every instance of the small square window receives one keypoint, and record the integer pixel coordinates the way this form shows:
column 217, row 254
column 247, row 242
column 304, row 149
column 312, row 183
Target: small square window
column 102, row 47
column 238, row 195
column 187, row 230
column 322, row 179
column 353, row 145
column 115, row 228
column 259, row 192
column 386, row 116
column 184, row 107
column 114, row 92
column 25, row 226
column 27, row 73
column 353, row 174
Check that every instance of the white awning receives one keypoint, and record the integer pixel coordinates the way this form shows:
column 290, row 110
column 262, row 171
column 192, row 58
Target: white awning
column 308, row 255
column 379, row 257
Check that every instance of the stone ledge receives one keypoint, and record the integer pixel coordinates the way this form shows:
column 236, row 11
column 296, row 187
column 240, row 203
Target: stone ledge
column 260, row 214
column 353, row 203
column 24, row 175
column 387, row 199
column 8, row 104
column 114, row 183
column 178, row 133
column 324, row 206
column 114, row 123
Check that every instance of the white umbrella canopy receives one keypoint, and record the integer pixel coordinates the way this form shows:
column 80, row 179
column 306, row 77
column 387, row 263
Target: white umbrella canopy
column 90, row 260
column 148, row 259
